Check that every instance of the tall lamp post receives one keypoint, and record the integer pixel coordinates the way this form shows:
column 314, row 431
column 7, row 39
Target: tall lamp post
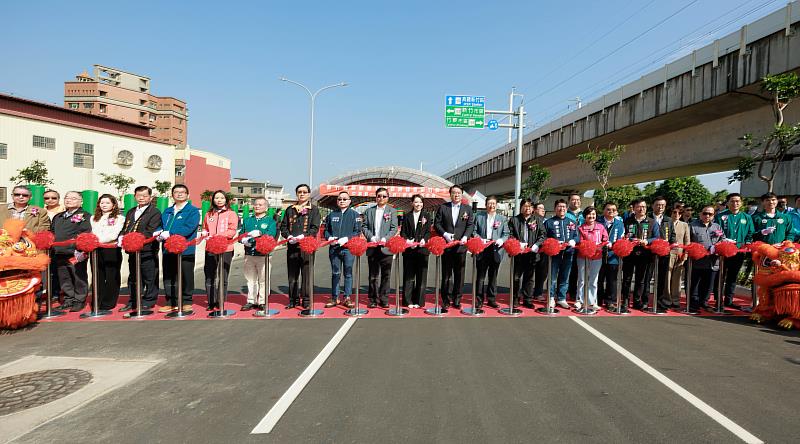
column 313, row 97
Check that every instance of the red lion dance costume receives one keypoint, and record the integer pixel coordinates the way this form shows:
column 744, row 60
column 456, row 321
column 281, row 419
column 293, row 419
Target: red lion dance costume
column 21, row 265
column 778, row 281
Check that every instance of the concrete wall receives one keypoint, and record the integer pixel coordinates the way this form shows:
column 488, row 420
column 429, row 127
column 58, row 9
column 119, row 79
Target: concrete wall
column 787, row 181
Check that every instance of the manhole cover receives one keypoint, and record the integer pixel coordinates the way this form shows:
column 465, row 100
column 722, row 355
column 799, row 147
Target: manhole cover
column 26, row 390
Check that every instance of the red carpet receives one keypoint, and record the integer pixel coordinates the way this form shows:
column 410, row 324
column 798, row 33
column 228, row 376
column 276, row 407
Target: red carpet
column 279, row 301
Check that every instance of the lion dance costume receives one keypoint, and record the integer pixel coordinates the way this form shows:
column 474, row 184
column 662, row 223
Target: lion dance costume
column 21, row 265
column 778, row 281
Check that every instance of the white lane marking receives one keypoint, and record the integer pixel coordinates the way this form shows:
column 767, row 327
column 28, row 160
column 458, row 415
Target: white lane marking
column 723, row 420
column 276, row 412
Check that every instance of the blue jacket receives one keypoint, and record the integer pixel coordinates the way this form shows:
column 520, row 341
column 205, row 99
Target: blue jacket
column 616, row 230
column 184, row 223
column 563, row 229
column 340, row 224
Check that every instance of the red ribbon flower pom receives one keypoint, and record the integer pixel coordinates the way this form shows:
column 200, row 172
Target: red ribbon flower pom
column 396, row 244
column 695, row 251
column 586, row 250
column 659, row 247
column 86, row 242
column 726, row 249
column 550, row 247
column 265, row 244
column 622, row 247
column 309, row 245
column 357, row 246
column 133, row 242
column 475, row 245
column 44, row 240
column 436, row 245
column 217, row 244
column 176, row 244
column 512, row 247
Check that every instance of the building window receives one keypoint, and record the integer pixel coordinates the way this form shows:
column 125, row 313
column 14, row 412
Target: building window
column 255, row 190
column 3, row 195
column 88, row 105
column 74, row 105
column 3, row 151
column 103, row 93
column 240, row 190
column 83, row 156
column 47, row 143
column 102, row 108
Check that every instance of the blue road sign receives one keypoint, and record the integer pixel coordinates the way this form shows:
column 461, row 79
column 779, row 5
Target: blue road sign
column 492, row 124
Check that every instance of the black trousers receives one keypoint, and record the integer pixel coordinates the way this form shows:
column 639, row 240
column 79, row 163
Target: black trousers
column 380, row 270
column 73, row 279
column 452, row 275
column 170, row 275
column 573, row 280
column 210, row 271
column 415, row 277
column 639, row 269
column 732, row 266
column 298, row 264
column 149, row 279
column 487, row 270
column 540, row 275
column 524, row 268
column 109, row 263
column 607, row 284
column 701, row 287
column 661, row 293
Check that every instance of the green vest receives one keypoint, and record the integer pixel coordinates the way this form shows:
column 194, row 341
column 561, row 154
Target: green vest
column 738, row 227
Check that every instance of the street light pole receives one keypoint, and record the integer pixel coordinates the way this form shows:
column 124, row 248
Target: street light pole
column 313, row 97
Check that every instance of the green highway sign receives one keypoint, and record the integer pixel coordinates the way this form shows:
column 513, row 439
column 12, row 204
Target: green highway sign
column 464, row 111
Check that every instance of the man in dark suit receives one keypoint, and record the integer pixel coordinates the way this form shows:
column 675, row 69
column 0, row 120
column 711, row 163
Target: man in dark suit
column 662, row 229
column 380, row 224
column 416, row 227
column 146, row 219
column 490, row 226
column 454, row 221
column 529, row 231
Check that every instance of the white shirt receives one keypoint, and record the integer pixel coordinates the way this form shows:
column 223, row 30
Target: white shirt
column 138, row 212
column 416, row 217
column 378, row 220
column 105, row 231
column 455, row 208
column 489, row 223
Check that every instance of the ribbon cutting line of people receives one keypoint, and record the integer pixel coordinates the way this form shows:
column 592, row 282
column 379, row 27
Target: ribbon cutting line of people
column 579, row 243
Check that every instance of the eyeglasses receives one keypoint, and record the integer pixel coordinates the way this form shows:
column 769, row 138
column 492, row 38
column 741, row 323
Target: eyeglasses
column 50, row 198
column 383, row 196
column 21, row 195
column 706, row 213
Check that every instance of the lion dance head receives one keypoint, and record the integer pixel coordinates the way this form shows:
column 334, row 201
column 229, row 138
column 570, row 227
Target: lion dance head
column 778, row 281
column 21, row 265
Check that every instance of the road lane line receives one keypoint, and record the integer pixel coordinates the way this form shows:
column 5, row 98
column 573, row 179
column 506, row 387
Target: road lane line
column 723, row 420
column 276, row 412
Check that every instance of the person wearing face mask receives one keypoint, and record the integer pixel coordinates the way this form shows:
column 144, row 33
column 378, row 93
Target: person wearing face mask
column 707, row 233
column 738, row 227
column 529, row 231
column 106, row 225
column 144, row 218
column 588, row 270
column 455, row 222
column 257, row 225
column 220, row 220
column 70, row 263
column 341, row 225
column 607, row 277
column 299, row 221
column 566, row 232
column 771, row 225
column 416, row 227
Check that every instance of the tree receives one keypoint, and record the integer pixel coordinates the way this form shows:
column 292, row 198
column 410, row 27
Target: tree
column 601, row 160
column 720, row 196
column 686, row 189
column 120, row 182
column 34, row 174
column 622, row 196
column 771, row 148
column 649, row 192
column 162, row 187
column 535, row 185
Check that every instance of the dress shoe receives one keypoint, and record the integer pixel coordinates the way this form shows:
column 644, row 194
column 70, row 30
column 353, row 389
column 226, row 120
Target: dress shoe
column 291, row 305
column 167, row 309
column 478, row 304
column 444, row 309
column 246, row 307
column 372, row 304
column 624, row 310
column 76, row 307
column 210, row 307
column 527, row 304
column 332, row 303
column 457, row 305
column 383, row 304
column 733, row 306
column 493, row 304
column 637, row 306
column 126, row 307
column 348, row 303
column 306, row 306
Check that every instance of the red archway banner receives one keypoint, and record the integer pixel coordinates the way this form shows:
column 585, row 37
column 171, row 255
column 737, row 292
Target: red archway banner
column 394, row 191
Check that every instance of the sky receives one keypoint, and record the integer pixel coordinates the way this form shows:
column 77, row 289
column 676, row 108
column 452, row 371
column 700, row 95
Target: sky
column 399, row 60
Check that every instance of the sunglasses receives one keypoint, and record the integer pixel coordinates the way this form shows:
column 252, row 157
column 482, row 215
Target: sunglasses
column 50, row 198
column 706, row 213
column 21, row 195
column 342, row 199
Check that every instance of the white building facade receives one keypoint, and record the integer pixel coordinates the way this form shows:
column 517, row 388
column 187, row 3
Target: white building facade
column 77, row 148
